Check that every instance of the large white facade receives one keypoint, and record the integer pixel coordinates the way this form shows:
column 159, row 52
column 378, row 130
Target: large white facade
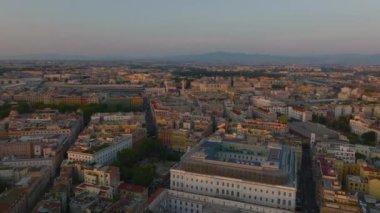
column 275, row 196
column 172, row 201
column 263, row 176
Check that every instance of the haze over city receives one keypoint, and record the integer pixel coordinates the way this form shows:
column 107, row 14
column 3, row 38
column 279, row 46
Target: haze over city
column 175, row 106
column 141, row 29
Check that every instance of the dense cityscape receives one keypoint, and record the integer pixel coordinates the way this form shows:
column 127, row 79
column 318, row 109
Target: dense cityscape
column 198, row 106
column 155, row 137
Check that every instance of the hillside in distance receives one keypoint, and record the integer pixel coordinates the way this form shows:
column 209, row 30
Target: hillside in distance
column 215, row 58
column 243, row 58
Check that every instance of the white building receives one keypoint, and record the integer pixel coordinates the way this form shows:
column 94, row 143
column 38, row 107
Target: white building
column 264, row 177
column 96, row 151
column 340, row 150
column 300, row 114
column 270, row 104
column 103, row 176
column 176, row 201
column 342, row 110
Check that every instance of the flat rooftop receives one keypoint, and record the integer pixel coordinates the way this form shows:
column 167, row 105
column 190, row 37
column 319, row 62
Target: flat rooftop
column 305, row 129
column 271, row 164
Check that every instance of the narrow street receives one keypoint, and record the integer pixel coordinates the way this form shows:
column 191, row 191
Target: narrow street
column 306, row 189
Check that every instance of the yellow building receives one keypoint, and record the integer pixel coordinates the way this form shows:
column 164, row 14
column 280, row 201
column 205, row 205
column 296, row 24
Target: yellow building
column 367, row 171
column 179, row 139
column 374, row 187
column 331, row 197
column 104, row 176
column 356, row 183
column 350, row 169
column 373, row 176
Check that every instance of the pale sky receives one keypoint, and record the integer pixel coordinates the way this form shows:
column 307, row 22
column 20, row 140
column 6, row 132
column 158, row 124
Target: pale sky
column 140, row 28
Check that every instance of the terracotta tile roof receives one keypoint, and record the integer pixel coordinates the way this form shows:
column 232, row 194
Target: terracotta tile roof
column 155, row 194
column 131, row 188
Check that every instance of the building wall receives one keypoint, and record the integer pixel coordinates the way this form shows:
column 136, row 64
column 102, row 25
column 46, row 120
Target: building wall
column 374, row 187
column 104, row 156
column 234, row 189
column 16, row 149
column 178, row 202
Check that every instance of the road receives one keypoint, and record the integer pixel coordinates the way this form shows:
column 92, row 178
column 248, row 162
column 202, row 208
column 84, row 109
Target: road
column 306, row 187
column 151, row 128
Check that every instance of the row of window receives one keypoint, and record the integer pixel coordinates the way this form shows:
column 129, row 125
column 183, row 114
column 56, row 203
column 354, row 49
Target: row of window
column 231, row 193
column 227, row 184
column 175, row 205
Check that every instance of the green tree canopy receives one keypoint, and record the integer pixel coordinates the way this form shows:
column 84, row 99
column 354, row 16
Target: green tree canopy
column 369, row 138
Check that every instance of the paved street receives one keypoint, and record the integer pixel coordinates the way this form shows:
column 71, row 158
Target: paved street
column 306, row 184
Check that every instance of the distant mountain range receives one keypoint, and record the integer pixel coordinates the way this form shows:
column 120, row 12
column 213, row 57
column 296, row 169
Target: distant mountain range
column 219, row 58
column 242, row 58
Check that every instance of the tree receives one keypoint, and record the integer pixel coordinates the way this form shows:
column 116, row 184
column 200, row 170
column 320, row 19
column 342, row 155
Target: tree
column 283, row 119
column 369, row 138
column 144, row 175
column 128, row 161
column 23, row 108
column 319, row 119
column 353, row 138
column 342, row 124
column 360, row 156
column 5, row 110
column 3, row 186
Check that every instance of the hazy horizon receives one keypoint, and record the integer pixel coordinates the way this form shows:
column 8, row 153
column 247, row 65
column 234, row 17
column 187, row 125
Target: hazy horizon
column 140, row 29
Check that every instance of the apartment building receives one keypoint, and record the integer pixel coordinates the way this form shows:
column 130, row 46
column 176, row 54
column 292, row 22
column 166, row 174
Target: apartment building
column 98, row 150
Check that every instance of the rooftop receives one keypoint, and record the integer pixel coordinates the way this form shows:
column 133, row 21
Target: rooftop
column 132, row 188
column 266, row 164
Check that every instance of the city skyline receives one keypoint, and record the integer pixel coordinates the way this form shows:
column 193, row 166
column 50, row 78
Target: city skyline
column 140, row 29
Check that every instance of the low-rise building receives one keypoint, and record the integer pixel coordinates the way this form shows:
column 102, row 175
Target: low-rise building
column 356, row 184
column 98, row 150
